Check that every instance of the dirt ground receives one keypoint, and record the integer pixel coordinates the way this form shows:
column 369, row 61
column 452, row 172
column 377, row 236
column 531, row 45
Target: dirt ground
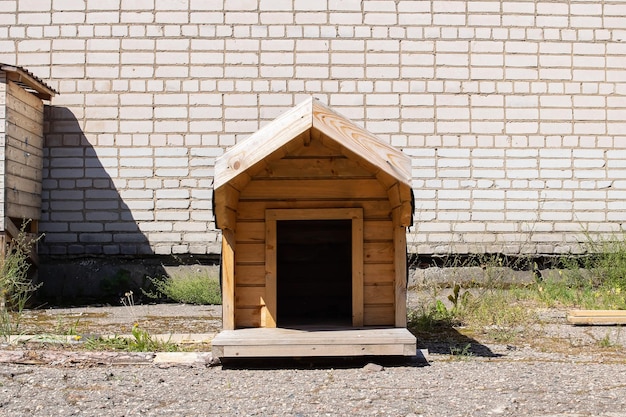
column 550, row 332
column 115, row 320
column 549, row 369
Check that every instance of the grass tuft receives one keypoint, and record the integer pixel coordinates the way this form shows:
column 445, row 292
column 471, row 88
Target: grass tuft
column 140, row 341
column 16, row 287
column 200, row 288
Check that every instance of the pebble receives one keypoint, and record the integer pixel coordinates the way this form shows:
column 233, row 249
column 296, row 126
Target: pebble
column 373, row 367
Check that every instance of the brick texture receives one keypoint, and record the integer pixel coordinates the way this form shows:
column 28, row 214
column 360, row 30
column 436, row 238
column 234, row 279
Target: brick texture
column 514, row 112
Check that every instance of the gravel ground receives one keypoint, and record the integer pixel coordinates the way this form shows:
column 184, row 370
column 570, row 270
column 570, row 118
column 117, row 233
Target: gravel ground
column 472, row 387
column 557, row 370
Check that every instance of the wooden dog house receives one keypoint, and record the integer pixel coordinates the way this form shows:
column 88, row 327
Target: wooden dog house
column 21, row 153
column 313, row 211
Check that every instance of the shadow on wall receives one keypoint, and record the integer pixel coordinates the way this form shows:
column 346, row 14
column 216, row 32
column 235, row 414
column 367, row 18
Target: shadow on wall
column 92, row 248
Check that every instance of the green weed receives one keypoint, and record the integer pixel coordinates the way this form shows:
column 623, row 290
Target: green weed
column 140, row 341
column 605, row 342
column 198, row 288
column 462, row 351
column 16, row 287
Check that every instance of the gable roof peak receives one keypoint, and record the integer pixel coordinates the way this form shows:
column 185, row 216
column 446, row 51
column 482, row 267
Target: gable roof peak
column 311, row 113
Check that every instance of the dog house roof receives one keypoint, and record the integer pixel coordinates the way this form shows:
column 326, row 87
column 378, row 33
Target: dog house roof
column 313, row 119
column 311, row 114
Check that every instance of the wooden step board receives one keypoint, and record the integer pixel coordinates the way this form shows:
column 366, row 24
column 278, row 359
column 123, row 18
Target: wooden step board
column 281, row 342
column 591, row 317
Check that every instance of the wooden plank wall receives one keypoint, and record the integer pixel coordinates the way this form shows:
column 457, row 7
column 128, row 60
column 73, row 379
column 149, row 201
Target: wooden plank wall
column 23, row 153
column 314, row 176
column 3, row 100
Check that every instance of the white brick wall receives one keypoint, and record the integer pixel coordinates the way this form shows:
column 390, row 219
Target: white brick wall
column 513, row 111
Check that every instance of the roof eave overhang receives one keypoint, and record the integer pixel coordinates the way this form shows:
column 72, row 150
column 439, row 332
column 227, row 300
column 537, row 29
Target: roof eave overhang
column 28, row 81
column 265, row 141
column 362, row 143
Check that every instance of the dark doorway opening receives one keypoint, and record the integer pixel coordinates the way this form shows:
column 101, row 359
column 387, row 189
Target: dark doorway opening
column 314, row 272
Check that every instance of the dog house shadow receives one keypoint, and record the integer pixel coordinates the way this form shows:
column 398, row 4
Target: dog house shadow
column 91, row 240
column 449, row 341
column 313, row 211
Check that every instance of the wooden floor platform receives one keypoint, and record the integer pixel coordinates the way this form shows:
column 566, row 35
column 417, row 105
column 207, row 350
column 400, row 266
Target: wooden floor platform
column 309, row 342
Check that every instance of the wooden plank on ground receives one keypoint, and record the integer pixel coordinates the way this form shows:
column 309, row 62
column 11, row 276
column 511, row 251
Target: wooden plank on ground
column 596, row 317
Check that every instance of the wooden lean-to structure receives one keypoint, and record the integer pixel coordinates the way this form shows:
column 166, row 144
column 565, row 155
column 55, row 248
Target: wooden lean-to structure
column 313, row 211
column 21, row 153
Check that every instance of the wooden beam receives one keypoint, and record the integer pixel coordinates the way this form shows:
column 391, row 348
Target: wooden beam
column 309, row 342
column 314, row 168
column 228, row 279
column 282, row 189
column 11, row 228
column 357, row 268
column 268, row 311
column 3, row 246
column 226, row 200
column 399, row 240
column 596, row 317
column 306, row 139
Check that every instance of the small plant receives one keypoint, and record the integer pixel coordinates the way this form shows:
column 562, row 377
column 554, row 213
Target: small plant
column 128, row 301
column 16, row 287
column 606, row 342
column 140, row 341
column 197, row 288
column 604, row 264
column 428, row 318
column 464, row 351
column 459, row 301
column 72, row 330
column 438, row 314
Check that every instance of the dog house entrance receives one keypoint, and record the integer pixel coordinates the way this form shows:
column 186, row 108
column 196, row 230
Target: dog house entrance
column 314, row 267
column 314, row 272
